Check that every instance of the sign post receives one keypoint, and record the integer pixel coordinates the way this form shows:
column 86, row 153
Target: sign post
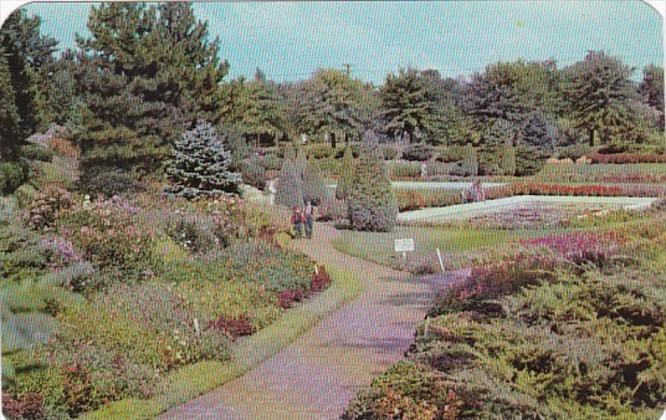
column 404, row 246
column 441, row 263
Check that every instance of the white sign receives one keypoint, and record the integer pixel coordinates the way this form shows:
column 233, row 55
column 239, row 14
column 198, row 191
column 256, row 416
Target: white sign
column 404, row 245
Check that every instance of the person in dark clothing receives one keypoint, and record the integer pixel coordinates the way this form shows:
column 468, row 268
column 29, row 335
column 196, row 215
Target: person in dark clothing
column 297, row 221
column 308, row 217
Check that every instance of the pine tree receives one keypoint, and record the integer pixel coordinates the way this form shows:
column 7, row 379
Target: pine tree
column 9, row 117
column 289, row 188
column 535, row 144
column 372, row 205
column 314, row 188
column 146, row 73
column 345, row 175
column 508, row 163
column 493, row 141
column 597, row 90
column 201, row 165
column 261, row 112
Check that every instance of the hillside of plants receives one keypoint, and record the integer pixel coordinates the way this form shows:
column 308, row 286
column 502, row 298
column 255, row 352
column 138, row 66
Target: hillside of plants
column 565, row 325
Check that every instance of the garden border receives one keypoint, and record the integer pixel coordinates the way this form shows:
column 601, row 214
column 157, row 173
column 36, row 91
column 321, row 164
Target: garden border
column 191, row 381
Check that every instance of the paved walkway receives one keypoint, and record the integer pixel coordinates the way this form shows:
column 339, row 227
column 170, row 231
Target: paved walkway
column 317, row 375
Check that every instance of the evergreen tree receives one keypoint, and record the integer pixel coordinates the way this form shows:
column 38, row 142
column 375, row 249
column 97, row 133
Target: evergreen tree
column 535, row 145
column 372, row 205
column 145, row 74
column 9, row 117
column 652, row 90
column 314, row 188
column 261, row 113
column 200, row 165
column 598, row 89
column 407, row 106
column 25, row 52
column 493, row 141
column 330, row 105
column 345, row 175
column 289, row 188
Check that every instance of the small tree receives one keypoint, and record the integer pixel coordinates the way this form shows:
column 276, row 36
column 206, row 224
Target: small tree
column 470, row 163
column 508, row 162
column 345, row 175
column 289, row 188
column 372, row 205
column 535, row 145
column 314, row 188
column 201, row 165
column 301, row 162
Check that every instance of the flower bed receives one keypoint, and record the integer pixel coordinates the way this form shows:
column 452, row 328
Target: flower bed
column 624, row 158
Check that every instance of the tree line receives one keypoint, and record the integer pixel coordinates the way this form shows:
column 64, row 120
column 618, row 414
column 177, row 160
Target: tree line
column 145, row 74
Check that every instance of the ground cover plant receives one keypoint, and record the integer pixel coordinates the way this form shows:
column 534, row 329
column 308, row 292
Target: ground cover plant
column 564, row 325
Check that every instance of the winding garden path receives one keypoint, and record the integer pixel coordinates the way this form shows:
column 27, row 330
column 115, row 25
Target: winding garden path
column 316, row 375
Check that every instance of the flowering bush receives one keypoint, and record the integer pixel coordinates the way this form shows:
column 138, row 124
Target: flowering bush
column 108, row 235
column 234, row 327
column 59, row 251
column 580, row 247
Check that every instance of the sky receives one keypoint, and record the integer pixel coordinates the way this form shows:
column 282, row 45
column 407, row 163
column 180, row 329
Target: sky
column 290, row 40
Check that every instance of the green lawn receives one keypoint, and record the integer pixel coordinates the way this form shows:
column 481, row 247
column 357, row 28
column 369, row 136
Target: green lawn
column 456, row 244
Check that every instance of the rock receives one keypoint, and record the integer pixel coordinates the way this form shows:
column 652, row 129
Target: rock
column 566, row 161
column 553, row 161
column 583, row 160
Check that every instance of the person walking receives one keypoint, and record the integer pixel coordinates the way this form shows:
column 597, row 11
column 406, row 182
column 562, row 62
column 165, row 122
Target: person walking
column 297, row 222
column 308, row 217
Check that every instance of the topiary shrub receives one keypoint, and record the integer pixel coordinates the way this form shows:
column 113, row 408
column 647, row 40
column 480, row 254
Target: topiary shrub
column 470, row 163
column 418, row 152
column 201, row 165
column 254, row 172
column 345, row 175
column 508, row 161
column 314, row 188
column 372, row 204
column 289, row 188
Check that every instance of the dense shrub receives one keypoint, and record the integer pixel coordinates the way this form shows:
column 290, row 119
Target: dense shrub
column 418, row 152
column 412, row 199
column 42, row 211
column 508, row 160
column 201, row 166
column 404, row 170
column 12, row 175
column 25, row 194
column 319, row 151
column 355, row 150
column 253, row 172
column 575, row 152
column 234, row 327
column 389, row 152
column 320, row 280
column 110, row 182
column 372, row 204
column 195, row 232
column 271, row 162
column 30, row 405
column 34, row 152
column 450, row 154
column 332, row 209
